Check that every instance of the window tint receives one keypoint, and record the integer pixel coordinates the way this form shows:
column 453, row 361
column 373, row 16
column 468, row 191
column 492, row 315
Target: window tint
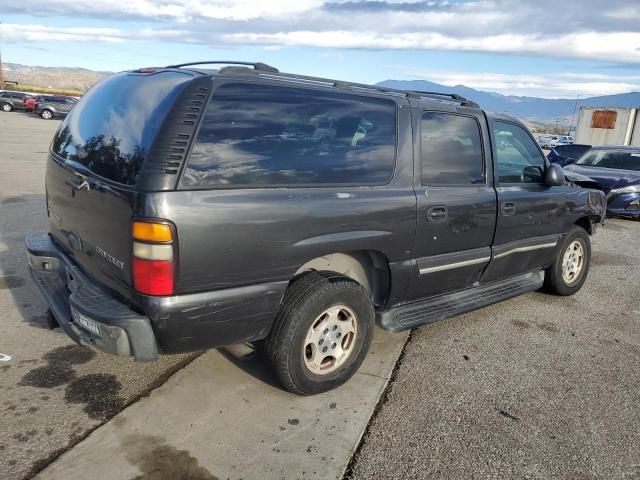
column 450, row 149
column 112, row 127
column 620, row 159
column 269, row 135
column 517, row 156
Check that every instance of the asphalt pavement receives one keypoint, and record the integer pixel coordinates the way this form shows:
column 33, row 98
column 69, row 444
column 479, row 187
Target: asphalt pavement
column 52, row 392
column 536, row 387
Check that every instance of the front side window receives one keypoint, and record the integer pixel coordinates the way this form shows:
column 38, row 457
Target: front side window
column 518, row 159
column 262, row 135
column 450, row 150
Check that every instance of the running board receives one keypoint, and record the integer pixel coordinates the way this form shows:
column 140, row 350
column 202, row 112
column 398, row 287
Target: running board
column 431, row 309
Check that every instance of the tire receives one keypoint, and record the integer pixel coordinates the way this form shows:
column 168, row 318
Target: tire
column 46, row 114
column 6, row 107
column 559, row 278
column 298, row 337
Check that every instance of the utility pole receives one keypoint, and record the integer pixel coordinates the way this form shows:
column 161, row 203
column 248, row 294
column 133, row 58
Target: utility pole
column 1, row 68
column 574, row 113
column 1, row 73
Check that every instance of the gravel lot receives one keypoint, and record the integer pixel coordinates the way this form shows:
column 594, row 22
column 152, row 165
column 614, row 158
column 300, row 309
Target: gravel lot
column 52, row 392
column 534, row 387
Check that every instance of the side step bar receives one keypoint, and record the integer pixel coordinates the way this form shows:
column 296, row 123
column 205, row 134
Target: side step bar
column 426, row 311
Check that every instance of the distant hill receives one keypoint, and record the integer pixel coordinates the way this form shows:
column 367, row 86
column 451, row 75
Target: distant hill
column 533, row 108
column 55, row 77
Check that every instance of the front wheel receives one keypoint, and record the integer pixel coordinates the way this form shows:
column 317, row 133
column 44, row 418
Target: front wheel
column 571, row 266
column 321, row 334
column 46, row 114
column 7, row 107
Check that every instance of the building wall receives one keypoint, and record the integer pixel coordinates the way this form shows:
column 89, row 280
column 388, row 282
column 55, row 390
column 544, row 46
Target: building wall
column 635, row 138
column 603, row 136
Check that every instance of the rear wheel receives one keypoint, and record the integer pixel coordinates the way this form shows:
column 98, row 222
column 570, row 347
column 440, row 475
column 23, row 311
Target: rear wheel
column 321, row 334
column 46, row 114
column 6, row 107
column 571, row 266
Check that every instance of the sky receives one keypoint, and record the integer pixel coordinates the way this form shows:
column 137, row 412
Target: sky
column 543, row 48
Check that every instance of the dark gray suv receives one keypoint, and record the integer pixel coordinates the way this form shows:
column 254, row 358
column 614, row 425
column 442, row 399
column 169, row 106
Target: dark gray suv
column 191, row 209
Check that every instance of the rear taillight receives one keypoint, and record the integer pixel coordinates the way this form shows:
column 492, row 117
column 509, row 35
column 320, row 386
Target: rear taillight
column 153, row 257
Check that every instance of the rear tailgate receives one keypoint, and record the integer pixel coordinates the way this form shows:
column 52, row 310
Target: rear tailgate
column 94, row 165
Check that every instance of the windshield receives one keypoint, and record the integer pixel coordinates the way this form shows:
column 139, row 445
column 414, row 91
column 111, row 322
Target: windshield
column 112, row 127
column 619, row 159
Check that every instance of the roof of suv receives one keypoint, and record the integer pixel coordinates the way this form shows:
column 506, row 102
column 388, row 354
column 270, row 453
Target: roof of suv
column 268, row 72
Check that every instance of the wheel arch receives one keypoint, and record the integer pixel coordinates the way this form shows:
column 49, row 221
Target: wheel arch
column 586, row 223
column 370, row 268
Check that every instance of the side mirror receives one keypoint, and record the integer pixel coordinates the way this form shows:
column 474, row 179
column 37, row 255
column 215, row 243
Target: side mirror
column 554, row 176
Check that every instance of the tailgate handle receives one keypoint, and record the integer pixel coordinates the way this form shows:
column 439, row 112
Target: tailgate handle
column 82, row 184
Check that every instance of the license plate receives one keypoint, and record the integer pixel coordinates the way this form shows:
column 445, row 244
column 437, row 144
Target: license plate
column 86, row 323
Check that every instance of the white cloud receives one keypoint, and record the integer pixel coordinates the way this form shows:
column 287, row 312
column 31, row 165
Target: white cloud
column 588, row 29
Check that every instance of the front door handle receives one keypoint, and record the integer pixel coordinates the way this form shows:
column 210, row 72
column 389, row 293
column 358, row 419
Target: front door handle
column 437, row 214
column 508, row 208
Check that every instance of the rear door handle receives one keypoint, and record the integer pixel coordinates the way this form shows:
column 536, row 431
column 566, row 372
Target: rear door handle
column 508, row 208
column 438, row 213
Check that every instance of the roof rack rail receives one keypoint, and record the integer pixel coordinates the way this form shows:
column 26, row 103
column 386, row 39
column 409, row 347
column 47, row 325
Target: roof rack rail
column 256, row 65
column 267, row 71
column 454, row 96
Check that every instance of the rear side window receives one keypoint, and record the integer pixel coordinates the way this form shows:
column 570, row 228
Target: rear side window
column 262, row 135
column 450, row 149
column 112, row 127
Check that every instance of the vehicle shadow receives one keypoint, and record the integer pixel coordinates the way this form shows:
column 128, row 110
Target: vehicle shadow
column 20, row 215
column 250, row 358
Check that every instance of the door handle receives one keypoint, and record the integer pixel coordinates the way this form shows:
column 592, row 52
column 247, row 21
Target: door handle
column 508, row 208
column 437, row 214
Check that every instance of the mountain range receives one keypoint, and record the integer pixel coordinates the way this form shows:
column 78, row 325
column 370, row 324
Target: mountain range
column 533, row 109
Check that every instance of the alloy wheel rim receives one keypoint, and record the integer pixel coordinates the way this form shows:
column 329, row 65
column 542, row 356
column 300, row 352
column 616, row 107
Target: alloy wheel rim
column 6, row 107
column 330, row 340
column 572, row 262
column 46, row 114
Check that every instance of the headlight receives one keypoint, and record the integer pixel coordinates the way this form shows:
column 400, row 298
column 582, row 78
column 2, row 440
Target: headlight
column 629, row 189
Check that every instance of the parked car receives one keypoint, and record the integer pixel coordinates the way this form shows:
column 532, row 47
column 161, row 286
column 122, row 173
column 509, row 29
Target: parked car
column 560, row 140
column 55, row 107
column 544, row 141
column 30, row 103
column 617, row 171
column 12, row 101
column 184, row 215
column 566, row 154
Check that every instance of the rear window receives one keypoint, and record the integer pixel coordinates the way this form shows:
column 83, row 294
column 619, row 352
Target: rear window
column 112, row 127
column 261, row 135
column 620, row 159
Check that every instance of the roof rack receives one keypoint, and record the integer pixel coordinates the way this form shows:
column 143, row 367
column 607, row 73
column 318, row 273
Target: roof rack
column 267, row 71
column 454, row 96
column 256, row 65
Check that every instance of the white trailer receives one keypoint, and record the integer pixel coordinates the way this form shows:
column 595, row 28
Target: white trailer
column 608, row 126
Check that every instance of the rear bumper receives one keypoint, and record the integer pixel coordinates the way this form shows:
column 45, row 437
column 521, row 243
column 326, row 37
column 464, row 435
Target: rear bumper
column 74, row 298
